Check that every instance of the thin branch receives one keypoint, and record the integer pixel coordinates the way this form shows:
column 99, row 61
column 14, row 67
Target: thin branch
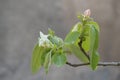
column 80, row 45
column 77, row 65
column 99, row 64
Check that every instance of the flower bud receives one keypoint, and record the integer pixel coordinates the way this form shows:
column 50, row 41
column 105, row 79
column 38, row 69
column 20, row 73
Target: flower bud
column 87, row 13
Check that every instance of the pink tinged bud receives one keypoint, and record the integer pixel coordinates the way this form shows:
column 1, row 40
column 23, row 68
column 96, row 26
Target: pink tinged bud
column 87, row 12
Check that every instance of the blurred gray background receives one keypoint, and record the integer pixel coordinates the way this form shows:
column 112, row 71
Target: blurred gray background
column 21, row 21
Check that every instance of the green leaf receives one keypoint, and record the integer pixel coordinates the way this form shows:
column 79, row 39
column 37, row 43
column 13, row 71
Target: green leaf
column 78, row 53
column 74, row 34
column 36, row 58
column 94, row 58
column 72, row 37
column 94, row 39
column 59, row 59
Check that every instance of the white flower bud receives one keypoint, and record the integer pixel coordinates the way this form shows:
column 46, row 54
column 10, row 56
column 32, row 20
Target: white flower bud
column 44, row 41
column 87, row 12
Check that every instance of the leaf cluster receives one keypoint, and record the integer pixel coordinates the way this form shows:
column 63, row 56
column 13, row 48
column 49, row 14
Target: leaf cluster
column 82, row 41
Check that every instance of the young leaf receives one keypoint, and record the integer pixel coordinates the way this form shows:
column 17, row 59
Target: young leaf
column 74, row 34
column 36, row 58
column 78, row 53
column 94, row 58
column 59, row 59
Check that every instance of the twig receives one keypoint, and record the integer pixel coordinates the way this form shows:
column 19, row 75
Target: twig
column 84, row 64
column 80, row 45
column 99, row 64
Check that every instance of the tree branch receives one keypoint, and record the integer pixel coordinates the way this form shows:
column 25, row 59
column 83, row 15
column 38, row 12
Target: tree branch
column 99, row 64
